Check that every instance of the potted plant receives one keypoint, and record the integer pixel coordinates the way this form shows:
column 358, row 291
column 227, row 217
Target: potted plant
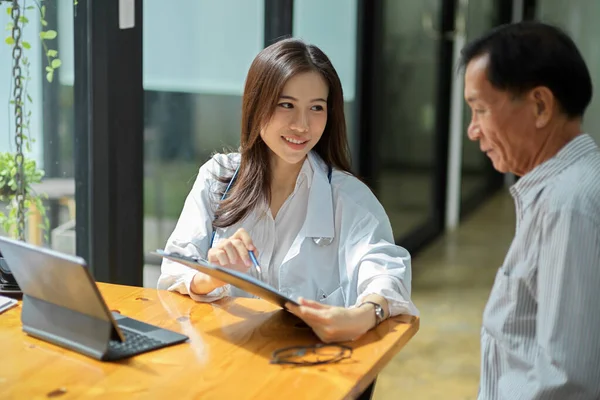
column 9, row 219
column 17, row 171
column 8, row 191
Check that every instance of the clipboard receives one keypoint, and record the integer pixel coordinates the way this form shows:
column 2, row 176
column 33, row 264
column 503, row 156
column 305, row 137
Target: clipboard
column 7, row 303
column 238, row 279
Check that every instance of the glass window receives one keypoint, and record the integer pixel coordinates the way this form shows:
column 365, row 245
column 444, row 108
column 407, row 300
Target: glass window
column 407, row 113
column 579, row 20
column 195, row 66
column 49, row 118
column 331, row 26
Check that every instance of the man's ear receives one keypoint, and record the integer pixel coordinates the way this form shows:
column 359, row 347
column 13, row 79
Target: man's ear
column 544, row 102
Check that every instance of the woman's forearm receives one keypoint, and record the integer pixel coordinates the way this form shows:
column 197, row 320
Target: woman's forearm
column 375, row 298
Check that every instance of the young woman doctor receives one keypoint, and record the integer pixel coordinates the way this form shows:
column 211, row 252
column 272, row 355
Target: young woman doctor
column 317, row 232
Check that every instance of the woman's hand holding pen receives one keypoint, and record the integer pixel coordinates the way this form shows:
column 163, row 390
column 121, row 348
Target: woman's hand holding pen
column 233, row 253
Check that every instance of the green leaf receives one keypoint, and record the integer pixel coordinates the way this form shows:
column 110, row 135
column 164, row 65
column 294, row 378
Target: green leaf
column 50, row 76
column 26, row 45
column 49, row 69
column 56, row 63
column 43, row 11
column 23, row 19
column 9, row 26
column 44, row 22
column 9, row 10
column 9, row 40
column 52, row 53
column 29, row 98
column 48, row 35
column 29, row 7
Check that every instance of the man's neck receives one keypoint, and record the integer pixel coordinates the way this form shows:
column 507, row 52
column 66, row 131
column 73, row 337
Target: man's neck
column 558, row 138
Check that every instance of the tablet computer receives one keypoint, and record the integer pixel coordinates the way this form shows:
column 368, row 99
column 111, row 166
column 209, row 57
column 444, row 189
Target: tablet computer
column 235, row 278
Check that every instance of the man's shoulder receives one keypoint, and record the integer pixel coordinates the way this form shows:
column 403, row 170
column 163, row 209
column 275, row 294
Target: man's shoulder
column 577, row 188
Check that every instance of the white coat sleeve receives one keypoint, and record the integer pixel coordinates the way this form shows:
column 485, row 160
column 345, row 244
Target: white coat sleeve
column 383, row 267
column 191, row 237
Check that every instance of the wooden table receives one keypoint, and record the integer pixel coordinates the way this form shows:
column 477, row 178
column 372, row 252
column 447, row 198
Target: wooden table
column 227, row 356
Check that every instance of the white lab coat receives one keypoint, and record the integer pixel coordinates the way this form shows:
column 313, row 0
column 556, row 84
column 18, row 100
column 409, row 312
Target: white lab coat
column 362, row 259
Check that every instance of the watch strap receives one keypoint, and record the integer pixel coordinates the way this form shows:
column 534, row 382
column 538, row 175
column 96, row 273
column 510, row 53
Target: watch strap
column 379, row 314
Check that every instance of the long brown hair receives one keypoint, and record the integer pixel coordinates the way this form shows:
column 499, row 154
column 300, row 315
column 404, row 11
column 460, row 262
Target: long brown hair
column 268, row 74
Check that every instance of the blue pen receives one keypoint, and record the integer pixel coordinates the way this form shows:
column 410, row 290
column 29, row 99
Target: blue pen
column 255, row 262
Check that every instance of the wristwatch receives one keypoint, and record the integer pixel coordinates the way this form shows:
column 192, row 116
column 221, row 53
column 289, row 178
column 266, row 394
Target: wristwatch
column 379, row 314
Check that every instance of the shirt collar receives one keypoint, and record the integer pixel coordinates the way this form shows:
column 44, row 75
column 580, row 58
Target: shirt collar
column 319, row 213
column 306, row 174
column 531, row 184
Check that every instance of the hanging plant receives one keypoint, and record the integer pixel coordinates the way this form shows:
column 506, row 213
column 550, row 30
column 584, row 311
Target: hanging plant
column 17, row 171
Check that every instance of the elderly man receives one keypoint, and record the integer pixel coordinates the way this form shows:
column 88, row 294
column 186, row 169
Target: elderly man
column 528, row 87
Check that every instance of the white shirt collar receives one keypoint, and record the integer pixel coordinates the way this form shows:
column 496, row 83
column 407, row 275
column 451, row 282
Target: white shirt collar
column 319, row 222
column 319, row 213
column 306, row 173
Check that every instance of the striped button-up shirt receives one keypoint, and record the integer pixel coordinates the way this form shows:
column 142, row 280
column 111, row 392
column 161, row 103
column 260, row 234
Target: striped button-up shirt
column 541, row 326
